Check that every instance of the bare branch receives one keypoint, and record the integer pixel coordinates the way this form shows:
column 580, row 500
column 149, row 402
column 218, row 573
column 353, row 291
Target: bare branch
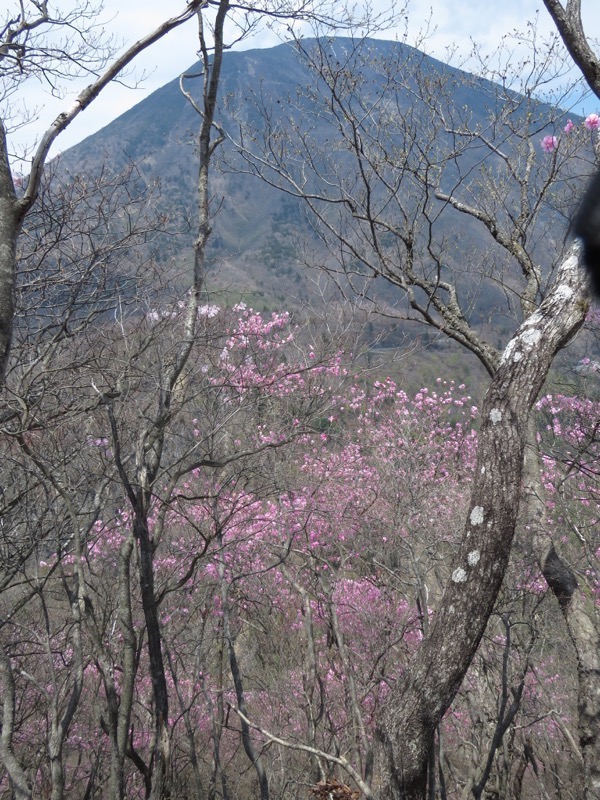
column 89, row 94
column 570, row 27
column 340, row 760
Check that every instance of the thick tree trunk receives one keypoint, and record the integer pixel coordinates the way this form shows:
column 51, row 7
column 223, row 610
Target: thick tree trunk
column 420, row 699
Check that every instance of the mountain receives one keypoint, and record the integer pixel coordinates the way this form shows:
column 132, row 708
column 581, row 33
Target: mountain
column 158, row 136
column 259, row 233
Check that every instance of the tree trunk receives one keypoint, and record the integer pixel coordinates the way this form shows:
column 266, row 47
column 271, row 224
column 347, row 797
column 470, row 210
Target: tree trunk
column 579, row 612
column 419, row 700
column 10, row 227
column 253, row 756
column 120, row 708
column 161, row 754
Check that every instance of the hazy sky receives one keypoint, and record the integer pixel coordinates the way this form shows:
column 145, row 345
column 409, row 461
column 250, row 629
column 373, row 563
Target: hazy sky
column 452, row 24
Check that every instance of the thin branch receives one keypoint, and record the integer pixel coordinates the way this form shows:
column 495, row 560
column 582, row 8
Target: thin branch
column 340, row 760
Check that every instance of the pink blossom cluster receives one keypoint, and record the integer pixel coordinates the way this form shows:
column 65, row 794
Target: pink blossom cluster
column 550, row 143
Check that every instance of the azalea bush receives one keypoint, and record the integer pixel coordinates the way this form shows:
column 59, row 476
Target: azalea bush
column 302, row 532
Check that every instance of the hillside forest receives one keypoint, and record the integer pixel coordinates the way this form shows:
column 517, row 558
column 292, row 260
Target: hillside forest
column 252, row 547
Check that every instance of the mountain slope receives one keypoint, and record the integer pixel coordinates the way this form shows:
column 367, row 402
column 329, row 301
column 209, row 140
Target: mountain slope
column 258, row 231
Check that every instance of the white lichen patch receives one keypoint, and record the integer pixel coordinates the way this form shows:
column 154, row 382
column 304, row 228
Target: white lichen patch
column 531, row 337
column 535, row 319
column 74, row 108
column 508, row 350
column 459, row 575
column 563, row 292
column 495, row 416
column 483, row 470
column 473, row 557
column 476, row 515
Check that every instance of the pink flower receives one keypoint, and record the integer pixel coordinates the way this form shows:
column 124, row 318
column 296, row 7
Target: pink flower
column 592, row 122
column 549, row 144
column 569, row 126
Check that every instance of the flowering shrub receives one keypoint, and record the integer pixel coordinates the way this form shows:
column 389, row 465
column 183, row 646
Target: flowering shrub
column 301, row 543
column 550, row 143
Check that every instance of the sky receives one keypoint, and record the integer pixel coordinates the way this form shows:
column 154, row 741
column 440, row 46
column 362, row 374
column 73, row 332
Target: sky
column 450, row 26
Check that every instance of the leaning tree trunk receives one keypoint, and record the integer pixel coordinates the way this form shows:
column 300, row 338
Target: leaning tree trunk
column 580, row 614
column 418, row 701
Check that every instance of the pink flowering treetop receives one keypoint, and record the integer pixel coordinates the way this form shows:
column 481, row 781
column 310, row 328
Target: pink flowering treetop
column 550, row 142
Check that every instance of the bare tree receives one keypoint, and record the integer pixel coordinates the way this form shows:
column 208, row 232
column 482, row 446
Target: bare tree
column 28, row 47
column 411, row 169
column 94, row 354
